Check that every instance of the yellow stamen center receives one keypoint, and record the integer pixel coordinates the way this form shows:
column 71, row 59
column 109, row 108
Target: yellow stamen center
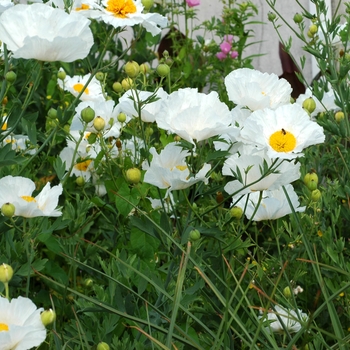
column 4, row 126
column 83, row 7
column 83, row 165
column 4, row 327
column 181, row 167
column 87, row 135
column 282, row 141
column 121, row 8
column 28, row 198
column 79, row 87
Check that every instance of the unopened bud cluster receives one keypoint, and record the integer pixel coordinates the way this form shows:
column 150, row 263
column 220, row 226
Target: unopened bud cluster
column 311, row 182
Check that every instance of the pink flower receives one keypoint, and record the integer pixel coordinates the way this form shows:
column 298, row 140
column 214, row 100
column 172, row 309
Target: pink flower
column 228, row 38
column 192, row 3
column 225, row 47
column 234, row 54
column 221, row 55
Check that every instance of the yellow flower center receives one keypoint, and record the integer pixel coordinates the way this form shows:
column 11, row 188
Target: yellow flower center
column 4, row 126
column 29, row 198
column 121, row 8
column 83, row 7
column 4, row 327
column 79, row 87
column 181, row 167
column 83, row 165
column 282, row 141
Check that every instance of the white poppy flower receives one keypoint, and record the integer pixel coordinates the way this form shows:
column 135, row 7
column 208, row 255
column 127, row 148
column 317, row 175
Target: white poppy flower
column 274, row 204
column 5, row 5
column 121, row 13
column 76, row 84
column 285, row 131
column 249, row 168
column 18, row 191
column 148, row 110
column 169, row 169
column 44, row 33
column 21, row 327
column 290, row 319
column 256, row 90
column 193, row 115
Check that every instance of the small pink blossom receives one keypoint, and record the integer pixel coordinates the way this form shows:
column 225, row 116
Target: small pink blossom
column 228, row 38
column 234, row 54
column 221, row 55
column 192, row 3
column 225, row 47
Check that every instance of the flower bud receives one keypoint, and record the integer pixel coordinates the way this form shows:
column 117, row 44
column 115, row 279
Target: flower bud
column 309, row 105
column 287, row 292
column 61, row 75
column 133, row 175
column 195, row 235
column 298, row 18
column 315, row 195
column 147, row 4
column 87, row 114
column 271, row 16
column 236, row 212
column 100, row 76
column 6, row 273
column 99, row 123
column 80, row 181
column 48, row 317
column 117, row 87
column 313, row 29
column 121, row 117
column 52, row 113
column 132, row 69
column 8, row 210
column 102, row 346
column 311, row 180
column 127, row 83
column 145, row 68
column 339, row 116
column 163, row 70
column 10, row 77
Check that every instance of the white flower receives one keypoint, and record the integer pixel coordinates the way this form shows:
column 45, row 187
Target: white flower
column 193, row 115
column 44, row 33
column 76, row 84
column 130, row 99
column 120, row 13
column 280, row 319
column 5, row 4
column 18, row 191
column 249, row 169
column 273, row 205
column 21, row 327
column 169, row 169
column 19, row 143
column 256, row 90
column 285, row 131
column 103, row 109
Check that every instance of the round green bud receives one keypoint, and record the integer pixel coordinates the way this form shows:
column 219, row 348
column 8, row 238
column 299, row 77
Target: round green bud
column 102, row 346
column 309, row 105
column 100, row 76
column 80, row 181
column 52, row 113
column 127, row 83
column 117, row 87
column 8, row 210
column 99, row 123
column 88, row 282
column 313, row 29
column 316, row 195
column 121, row 117
column 163, row 70
column 87, row 114
column 48, row 317
column 145, row 68
column 147, row 4
column 10, row 77
column 339, row 116
column 195, row 235
column 92, row 138
column 309, row 34
column 287, row 292
column 61, row 75
column 311, row 180
column 236, row 212
column 132, row 69
column 177, row 138
column 298, row 18
column 271, row 16
column 133, row 175
column 6, row 273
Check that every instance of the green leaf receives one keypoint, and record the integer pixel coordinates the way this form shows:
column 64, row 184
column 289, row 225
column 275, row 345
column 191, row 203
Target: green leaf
column 37, row 265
